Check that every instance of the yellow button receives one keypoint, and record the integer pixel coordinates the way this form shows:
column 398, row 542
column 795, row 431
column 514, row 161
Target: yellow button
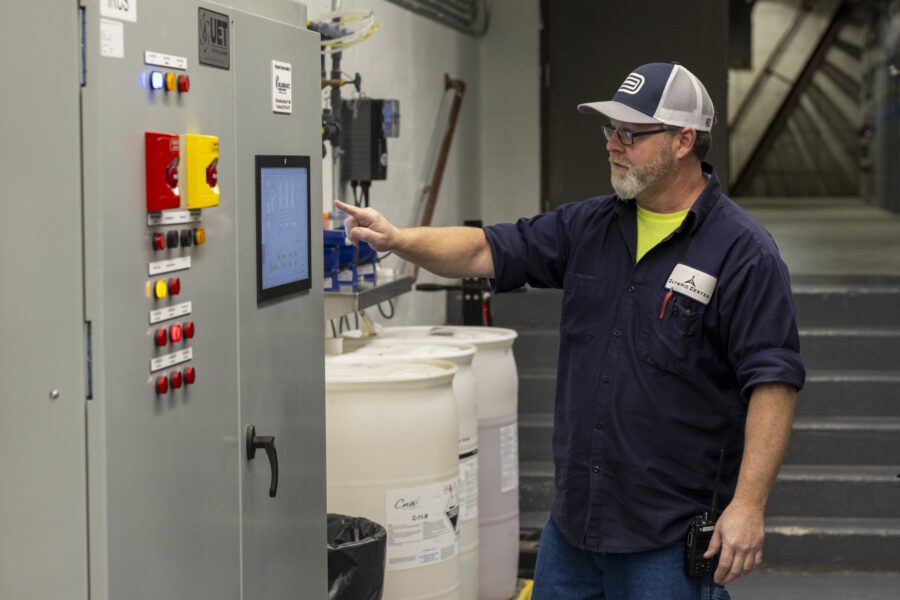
column 171, row 82
column 161, row 289
column 199, row 236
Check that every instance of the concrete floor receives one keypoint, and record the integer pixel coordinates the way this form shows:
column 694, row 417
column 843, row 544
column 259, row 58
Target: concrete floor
column 790, row 585
column 827, row 240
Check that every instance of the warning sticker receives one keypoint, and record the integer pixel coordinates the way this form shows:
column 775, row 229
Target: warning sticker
column 468, row 486
column 509, row 457
column 422, row 525
column 281, row 87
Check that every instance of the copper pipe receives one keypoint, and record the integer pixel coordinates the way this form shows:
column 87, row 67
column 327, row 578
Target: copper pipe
column 459, row 90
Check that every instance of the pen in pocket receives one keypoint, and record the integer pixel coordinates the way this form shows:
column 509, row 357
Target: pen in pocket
column 665, row 304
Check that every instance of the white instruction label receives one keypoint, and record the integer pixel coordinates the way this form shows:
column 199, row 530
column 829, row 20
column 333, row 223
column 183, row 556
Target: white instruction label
column 112, row 39
column 281, row 87
column 509, row 457
column 169, row 265
column 422, row 525
column 468, row 487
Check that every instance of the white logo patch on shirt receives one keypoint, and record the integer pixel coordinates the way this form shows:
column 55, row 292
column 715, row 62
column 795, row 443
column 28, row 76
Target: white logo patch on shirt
column 692, row 283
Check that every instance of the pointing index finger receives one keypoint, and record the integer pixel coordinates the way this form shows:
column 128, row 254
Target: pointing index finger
column 350, row 210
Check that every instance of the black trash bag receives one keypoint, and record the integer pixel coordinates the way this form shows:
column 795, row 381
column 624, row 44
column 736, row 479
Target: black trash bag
column 356, row 554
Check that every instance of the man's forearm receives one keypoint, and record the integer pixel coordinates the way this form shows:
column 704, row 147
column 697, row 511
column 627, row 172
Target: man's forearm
column 767, row 432
column 447, row 251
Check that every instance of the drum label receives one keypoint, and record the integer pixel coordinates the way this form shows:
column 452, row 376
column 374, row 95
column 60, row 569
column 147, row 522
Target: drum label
column 468, row 486
column 422, row 525
column 509, row 457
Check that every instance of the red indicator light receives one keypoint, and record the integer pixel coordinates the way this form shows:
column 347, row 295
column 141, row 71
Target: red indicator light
column 159, row 241
column 162, row 385
column 162, row 338
column 189, row 330
column 190, row 375
column 184, row 83
column 174, row 286
column 175, row 333
column 176, row 380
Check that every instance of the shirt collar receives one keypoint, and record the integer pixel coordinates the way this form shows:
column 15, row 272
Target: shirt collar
column 702, row 206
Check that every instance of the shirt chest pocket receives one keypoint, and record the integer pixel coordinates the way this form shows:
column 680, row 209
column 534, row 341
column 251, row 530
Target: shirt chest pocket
column 582, row 301
column 671, row 342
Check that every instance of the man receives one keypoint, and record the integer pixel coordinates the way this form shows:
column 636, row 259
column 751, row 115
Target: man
column 678, row 344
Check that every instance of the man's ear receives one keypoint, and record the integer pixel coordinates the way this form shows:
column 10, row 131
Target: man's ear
column 686, row 140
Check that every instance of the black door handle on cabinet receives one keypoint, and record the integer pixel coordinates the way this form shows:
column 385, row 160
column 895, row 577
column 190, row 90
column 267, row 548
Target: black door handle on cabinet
column 267, row 443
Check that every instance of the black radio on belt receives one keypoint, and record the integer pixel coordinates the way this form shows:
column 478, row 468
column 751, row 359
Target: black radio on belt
column 700, row 533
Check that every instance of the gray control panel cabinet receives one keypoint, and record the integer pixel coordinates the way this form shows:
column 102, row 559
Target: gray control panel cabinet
column 113, row 488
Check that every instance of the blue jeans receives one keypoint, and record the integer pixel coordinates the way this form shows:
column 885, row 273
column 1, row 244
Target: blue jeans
column 564, row 572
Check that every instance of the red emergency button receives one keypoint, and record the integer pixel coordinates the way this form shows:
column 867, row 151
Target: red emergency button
column 188, row 329
column 176, row 380
column 184, row 83
column 190, row 375
column 175, row 333
column 162, row 337
column 212, row 173
column 159, row 241
column 162, row 385
column 174, row 286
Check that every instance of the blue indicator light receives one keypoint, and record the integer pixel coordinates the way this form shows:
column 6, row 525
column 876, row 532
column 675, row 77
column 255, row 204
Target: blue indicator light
column 156, row 80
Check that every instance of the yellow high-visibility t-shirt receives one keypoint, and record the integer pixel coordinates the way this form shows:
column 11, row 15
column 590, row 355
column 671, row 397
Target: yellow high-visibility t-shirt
column 653, row 227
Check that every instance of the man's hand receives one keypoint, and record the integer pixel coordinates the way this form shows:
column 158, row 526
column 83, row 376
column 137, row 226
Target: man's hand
column 368, row 225
column 739, row 535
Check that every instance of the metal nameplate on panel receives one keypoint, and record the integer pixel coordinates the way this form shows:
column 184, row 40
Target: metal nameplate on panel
column 173, row 217
column 170, row 312
column 170, row 360
column 159, row 59
column 172, row 264
column 214, row 39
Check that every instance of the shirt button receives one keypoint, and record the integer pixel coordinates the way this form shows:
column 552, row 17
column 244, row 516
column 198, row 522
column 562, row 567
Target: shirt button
column 617, row 332
column 630, row 289
column 605, row 378
column 596, row 469
column 599, row 424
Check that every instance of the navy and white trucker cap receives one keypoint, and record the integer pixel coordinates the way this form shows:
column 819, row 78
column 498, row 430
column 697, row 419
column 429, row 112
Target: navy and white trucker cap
column 663, row 93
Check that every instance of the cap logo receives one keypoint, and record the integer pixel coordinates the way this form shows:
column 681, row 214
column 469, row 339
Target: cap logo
column 632, row 84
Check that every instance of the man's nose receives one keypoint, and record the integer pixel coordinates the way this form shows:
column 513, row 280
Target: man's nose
column 614, row 145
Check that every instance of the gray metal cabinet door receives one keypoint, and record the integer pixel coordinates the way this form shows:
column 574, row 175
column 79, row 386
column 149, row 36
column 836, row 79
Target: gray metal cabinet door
column 43, row 513
column 281, row 341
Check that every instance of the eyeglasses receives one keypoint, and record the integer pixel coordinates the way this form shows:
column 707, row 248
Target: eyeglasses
column 627, row 137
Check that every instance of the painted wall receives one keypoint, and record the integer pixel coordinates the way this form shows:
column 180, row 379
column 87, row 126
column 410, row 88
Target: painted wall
column 493, row 171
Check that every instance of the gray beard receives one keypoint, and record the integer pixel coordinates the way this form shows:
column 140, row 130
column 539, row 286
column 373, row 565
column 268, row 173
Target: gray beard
column 638, row 179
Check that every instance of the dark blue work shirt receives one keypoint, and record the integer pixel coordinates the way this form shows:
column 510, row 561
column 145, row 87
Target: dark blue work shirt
column 649, row 390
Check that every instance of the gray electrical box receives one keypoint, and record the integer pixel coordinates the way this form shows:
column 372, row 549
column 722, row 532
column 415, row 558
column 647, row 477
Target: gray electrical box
column 162, row 183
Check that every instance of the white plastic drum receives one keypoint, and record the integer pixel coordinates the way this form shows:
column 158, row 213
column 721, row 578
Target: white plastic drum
column 392, row 442
column 498, row 445
column 464, row 391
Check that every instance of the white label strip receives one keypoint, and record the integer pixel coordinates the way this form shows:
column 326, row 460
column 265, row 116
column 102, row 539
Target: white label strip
column 125, row 10
column 170, row 312
column 173, row 217
column 167, row 266
column 165, row 60
column 170, row 360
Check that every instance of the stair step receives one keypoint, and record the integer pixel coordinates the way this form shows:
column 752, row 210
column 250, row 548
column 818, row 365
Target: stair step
column 791, row 542
column 850, row 349
column 826, row 394
column 845, row 441
column 871, row 491
column 821, row 349
column 862, row 393
column 833, row 543
column 814, row 441
column 801, row 490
